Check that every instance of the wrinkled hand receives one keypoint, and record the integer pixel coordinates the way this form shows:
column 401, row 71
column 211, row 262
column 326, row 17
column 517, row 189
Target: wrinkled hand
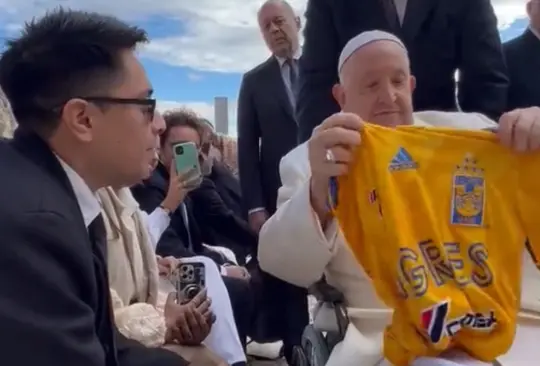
column 520, row 129
column 257, row 219
column 188, row 324
column 237, row 272
column 177, row 190
column 167, row 265
column 330, row 150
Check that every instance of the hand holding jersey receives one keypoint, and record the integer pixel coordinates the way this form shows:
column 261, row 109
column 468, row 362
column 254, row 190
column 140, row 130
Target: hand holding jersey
column 330, row 151
column 520, row 129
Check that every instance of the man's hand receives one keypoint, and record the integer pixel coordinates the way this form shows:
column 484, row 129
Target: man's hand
column 520, row 129
column 188, row 324
column 237, row 272
column 176, row 192
column 257, row 219
column 330, row 150
column 167, row 265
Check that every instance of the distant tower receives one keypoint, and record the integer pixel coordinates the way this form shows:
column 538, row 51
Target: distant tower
column 221, row 115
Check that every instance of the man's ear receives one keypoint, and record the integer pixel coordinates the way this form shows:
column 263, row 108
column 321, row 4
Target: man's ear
column 339, row 94
column 412, row 82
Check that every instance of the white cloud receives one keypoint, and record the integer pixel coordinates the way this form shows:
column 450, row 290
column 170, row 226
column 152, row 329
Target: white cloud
column 222, row 35
column 205, row 110
column 194, row 77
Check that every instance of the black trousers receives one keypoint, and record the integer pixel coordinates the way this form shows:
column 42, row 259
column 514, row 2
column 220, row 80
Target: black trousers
column 281, row 309
column 243, row 305
column 287, row 306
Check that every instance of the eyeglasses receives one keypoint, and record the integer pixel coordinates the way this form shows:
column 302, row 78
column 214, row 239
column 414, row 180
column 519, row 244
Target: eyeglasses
column 145, row 102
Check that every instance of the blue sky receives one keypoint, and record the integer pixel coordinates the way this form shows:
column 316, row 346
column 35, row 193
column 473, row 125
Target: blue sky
column 200, row 48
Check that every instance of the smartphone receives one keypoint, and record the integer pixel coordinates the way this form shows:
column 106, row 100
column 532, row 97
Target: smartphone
column 186, row 159
column 190, row 280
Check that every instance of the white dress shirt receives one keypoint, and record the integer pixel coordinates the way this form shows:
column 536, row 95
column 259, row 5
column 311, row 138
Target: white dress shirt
column 88, row 201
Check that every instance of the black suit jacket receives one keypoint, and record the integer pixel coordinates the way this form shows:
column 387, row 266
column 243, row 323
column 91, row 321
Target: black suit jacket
column 267, row 131
column 228, row 187
column 207, row 216
column 523, row 60
column 54, row 293
column 217, row 219
column 440, row 35
column 174, row 241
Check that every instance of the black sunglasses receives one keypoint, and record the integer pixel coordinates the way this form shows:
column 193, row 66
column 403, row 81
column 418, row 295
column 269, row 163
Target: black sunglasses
column 145, row 102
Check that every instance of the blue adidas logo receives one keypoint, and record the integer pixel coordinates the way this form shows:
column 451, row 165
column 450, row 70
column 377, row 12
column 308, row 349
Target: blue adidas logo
column 402, row 161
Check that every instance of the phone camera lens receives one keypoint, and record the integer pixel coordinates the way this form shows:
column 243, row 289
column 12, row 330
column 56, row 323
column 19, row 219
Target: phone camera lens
column 179, row 150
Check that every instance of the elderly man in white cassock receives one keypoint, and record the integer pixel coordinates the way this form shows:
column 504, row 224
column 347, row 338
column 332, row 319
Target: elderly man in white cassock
column 301, row 242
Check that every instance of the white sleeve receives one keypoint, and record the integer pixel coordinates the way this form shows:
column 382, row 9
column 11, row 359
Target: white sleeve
column 292, row 244
column 156, row 223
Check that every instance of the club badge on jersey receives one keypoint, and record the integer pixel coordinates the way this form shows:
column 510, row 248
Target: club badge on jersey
column 468, row 194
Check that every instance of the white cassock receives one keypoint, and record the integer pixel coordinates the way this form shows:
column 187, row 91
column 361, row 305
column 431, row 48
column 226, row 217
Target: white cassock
column 294, row 248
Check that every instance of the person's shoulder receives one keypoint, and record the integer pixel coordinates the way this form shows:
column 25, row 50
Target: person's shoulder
column 258, row 70
column 462, row 120
column 25, row 186
column 517, row 44
column 295, row 162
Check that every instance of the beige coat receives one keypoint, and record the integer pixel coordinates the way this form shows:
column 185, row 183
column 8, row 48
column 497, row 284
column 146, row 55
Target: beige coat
column 133, row 272
column 293, row 247
column 138, row 294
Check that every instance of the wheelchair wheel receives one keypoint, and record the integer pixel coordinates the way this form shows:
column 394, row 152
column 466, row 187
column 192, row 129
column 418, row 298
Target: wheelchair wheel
column 315, row 347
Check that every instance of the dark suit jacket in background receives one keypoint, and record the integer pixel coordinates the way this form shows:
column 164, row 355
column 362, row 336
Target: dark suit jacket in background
column 217, row 219
column 523, row 61
column 440, row 35
column 54, row 291
column 265, row 117
column 228, row 187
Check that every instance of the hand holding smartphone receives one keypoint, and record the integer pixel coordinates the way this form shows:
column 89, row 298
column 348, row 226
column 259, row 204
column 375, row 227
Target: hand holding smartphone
column 186, row 158
column 189, row 280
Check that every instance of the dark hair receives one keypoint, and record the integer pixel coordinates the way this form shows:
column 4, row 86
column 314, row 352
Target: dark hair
column 181, row 117
column 63, row 55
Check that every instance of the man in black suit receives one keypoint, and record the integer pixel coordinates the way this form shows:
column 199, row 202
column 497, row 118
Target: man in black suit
column 523, row 60
column 267, row 131
column 86, row 121
column 441, row 37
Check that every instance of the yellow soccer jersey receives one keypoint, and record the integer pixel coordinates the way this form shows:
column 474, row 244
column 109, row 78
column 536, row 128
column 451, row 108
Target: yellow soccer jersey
column 438, row 218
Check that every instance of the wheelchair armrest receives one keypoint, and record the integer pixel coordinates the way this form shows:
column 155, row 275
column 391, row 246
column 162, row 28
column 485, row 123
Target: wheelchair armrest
column 323, row 292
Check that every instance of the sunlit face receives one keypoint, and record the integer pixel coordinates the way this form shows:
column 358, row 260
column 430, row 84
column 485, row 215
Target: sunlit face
column 115, row 129
column 279, row 27
column 376, row 84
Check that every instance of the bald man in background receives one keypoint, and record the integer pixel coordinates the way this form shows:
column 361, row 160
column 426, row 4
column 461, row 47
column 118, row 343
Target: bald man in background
column 267, row 130
column 441, row 36
column 376, row 85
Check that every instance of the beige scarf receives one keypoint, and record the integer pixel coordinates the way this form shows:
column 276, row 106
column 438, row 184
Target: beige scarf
column 115, row 206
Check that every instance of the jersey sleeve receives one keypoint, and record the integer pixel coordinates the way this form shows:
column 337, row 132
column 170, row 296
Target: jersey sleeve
column 529, row 202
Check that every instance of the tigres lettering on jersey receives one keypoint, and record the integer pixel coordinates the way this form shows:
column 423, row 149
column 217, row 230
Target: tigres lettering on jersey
column 438, row 218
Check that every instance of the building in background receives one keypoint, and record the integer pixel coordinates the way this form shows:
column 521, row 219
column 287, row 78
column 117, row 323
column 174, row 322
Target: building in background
column 221, row 115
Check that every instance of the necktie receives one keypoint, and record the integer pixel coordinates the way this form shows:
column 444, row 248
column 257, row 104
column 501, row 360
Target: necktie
column 98, row 238
column 391, row 14
column 292, row 72
column 185, row 218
